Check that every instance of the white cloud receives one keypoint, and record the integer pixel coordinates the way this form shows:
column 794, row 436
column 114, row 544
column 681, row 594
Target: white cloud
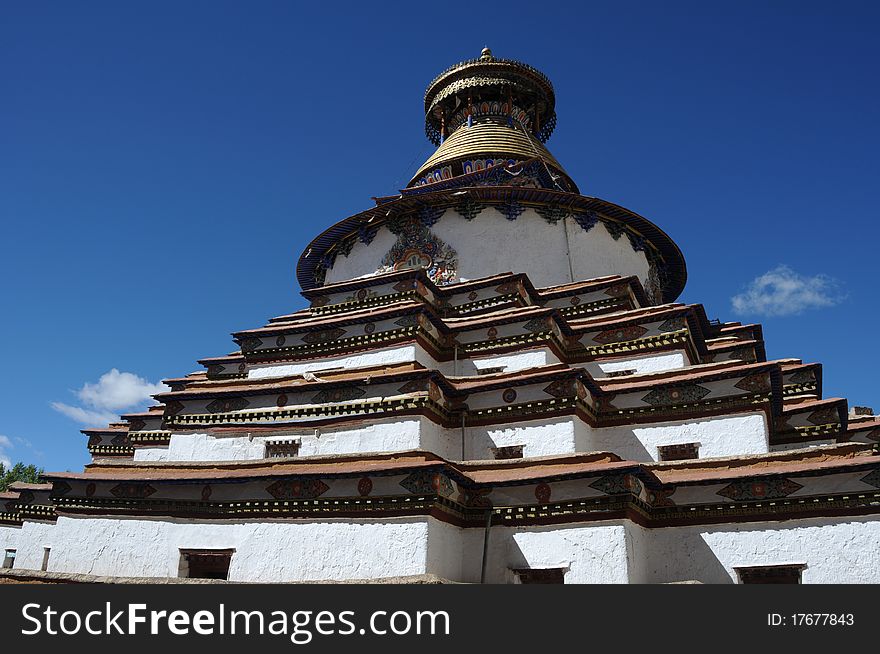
column 118, row 390
column 113, row 393
column 85, row 416
column 5, row 446
column 783, row 292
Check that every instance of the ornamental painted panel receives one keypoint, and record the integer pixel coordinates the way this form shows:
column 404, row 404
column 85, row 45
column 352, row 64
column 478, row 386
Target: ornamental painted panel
column 804, row 376
column 509, row 395
column 404, row 285
column 426, row 482
column 620, row 334
column 757, row 383
column 469, row 209
column 872, row 478
column 508, row 289
column 411, row 320
column 418, row 247
column 674, row 324
column 173, row 407
column 759, row 489
column 281, row 401
column 660, row 497
column 825, row 416
column 562, row 388
column 206, row 492
column 535, row 325
column 320, row 301
column 542, row 493
column 120, row 440
column 227, row 405
column 60, row 488
column 617, row 291
column 323, row 336
column 617, row 485
column 476, row 497
column 280, row 341
column 343, row 394
column 94, row 440
column 136, row 425
column 365, row 486
column 297, row 488
column 132, row 490
column 90, row 489
column 675, row 395
column 250, row 344
column 414, row 386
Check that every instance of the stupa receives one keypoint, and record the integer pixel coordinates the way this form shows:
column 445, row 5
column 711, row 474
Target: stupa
column 493, row 382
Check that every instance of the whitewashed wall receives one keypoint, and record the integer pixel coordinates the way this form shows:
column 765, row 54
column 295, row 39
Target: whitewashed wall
column 528, row 244
column 642, row 365
column 32, row 539
column 9, row 538
column 383, row 357
column 719, row 436
column 842, row 550
column 393, row 435
column 265, row 551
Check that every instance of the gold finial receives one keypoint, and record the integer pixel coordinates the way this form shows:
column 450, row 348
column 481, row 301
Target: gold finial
column 486, row 55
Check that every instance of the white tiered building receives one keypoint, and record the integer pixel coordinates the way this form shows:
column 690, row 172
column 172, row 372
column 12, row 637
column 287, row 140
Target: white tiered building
column 492, row 382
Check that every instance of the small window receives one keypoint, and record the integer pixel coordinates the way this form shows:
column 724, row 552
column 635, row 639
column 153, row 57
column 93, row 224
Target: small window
column 508, row 452
column 45, row 564
column 621, row 373
column 678, row 452
column 9, row 559
column 541, row 575
column 205, row 564
column 278, row 449
column 490, row 371
column 771, row 574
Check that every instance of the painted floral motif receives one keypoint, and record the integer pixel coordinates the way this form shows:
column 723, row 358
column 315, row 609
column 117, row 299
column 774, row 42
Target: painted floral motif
column 206, row 492
column 323, row 336
column 281, row 401
column 509, row 395
column 320, row 301
column 215, row 369
column 227, row 405
column 676, row 395
column 297, row 488
column 508, row 288
column 426, row 482
column 365, row 486
column 242, row 367
column 759, row 489
column 614, row 228
column 94, row 440
column 587, row 220
column 369, row 328
column 472, row 296
column 90, row 489
column 279, row 342
column 120, row 440
column 132, row 490
column 492, row 333
column 469, row 209
column 618, row 485
column 542, row 493
column 342, row 394
column 574, row 301
column 757, row 383
column 562, row 388
column 620, row 334
column 418, row 247
column 552, row 214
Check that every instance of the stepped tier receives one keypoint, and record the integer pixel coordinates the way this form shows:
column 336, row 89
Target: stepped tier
column 828, row 480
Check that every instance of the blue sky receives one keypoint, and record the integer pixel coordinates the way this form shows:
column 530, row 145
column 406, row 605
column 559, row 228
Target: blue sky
column 163, row 164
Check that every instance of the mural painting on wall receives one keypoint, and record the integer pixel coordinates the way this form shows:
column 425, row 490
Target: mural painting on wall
column 418, row 247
